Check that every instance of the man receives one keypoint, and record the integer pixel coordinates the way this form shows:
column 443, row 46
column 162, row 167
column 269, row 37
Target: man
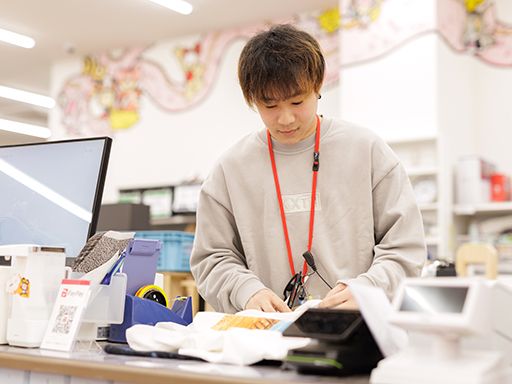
column 305, row 183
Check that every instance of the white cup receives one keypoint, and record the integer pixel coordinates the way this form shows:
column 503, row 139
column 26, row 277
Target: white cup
column 5, row 272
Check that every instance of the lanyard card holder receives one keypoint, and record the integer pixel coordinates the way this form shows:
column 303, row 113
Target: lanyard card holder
column 294, row 291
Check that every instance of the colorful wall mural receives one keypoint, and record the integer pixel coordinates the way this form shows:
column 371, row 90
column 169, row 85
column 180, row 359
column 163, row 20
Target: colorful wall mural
column 483, row 34
column 373, row 28
column 106, row 96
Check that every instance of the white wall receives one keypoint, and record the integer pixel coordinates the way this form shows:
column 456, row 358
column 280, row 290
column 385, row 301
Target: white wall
column 425, row 87
column 419, row 89
column 494, row 114
column 474, row 103
column 394, row 95
column 457, row 102
column 457, row 126
column 166, row 148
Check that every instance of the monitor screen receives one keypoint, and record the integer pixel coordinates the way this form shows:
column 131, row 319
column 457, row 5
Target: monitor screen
column 51, row 192
column 433, row 299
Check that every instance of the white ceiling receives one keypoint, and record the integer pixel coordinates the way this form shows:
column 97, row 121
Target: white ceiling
column 73, row 28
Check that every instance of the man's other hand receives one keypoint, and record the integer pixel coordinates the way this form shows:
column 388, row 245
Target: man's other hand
column 267, row 301
column 339, row 297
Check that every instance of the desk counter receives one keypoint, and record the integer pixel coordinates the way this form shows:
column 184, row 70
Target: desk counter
column 130, row 369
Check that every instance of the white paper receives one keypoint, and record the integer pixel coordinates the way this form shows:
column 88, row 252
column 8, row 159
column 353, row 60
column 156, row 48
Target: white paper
column 237, row 346
column 96, row 275
column 66, row 316
column 119, row 235
column 244, row 346
column 284, row 316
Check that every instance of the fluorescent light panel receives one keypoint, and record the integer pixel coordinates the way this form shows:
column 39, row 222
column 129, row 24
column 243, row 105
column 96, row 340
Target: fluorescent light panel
column 16, row 39
column 180, row 6
column 26, row 97
column 25, row 129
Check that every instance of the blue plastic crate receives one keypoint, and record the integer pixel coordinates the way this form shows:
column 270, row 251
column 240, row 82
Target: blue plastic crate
column 176, row 249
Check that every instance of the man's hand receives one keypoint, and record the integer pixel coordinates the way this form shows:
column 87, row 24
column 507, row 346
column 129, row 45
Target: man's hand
column 267, row 301
column 339, row 297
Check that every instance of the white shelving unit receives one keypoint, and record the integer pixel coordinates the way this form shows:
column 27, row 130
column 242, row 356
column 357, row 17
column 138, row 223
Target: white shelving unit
column 485, row 222
column 481, row 222
column 428, row 206
column 422, row 161
column 482, row 209
column 422, row 171
column 432, row 241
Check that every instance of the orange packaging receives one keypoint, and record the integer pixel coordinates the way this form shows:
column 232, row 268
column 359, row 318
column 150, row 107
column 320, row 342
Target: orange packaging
column 500, row 187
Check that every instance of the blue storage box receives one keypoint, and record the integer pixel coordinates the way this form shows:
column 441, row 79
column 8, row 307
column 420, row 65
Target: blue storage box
column 175, row 251
column 144, row 311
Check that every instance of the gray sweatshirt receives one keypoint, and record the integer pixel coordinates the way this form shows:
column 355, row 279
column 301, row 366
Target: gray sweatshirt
column 367, row 224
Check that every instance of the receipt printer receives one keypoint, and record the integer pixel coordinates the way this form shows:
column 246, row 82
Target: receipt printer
column 341, row 343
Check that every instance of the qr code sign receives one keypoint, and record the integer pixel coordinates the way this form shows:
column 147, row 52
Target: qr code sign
column 64, row 319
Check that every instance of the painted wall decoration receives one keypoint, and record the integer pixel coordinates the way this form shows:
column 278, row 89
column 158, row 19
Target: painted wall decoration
column 359, row 13
column 199, row 64
column 107, row 95
column 375, row 28
column 482, row 33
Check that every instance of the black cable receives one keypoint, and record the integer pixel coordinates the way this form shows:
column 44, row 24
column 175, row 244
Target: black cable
column 310, row 260
column 320, row 276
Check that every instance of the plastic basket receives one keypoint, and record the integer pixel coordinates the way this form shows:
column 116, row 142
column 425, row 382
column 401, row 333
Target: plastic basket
column 176, row 249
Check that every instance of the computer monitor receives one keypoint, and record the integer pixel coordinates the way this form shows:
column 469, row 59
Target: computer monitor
column 50, row 192
column 441, row 305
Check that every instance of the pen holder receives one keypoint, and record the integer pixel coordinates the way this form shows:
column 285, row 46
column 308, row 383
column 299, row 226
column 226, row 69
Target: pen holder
column 106, row 306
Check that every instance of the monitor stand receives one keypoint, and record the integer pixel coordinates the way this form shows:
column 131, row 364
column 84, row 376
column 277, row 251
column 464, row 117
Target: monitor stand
column 442, row 362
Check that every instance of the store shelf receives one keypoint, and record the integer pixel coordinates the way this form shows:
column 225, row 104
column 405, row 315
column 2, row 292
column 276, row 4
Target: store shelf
column 504, row 270
column 421, row 159
column 428, row 206
column 475, row 209
column 430, row 240
column 174, row 220
column 411, row 140
column 421, row 171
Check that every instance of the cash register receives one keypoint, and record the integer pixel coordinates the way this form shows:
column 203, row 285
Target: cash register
column 439, row 313
column 342, row 343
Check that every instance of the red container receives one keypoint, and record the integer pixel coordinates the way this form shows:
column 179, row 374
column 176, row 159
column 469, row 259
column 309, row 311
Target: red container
column 500, row 190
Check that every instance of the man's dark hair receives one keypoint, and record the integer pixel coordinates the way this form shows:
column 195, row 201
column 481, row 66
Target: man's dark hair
column 280, row 63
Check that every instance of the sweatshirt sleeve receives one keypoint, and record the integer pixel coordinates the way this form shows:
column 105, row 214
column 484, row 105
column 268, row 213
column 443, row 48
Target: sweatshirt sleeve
column 217, row 261
column 400, row 249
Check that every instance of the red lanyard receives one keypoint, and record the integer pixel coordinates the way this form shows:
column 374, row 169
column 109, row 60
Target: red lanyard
column 316, row 164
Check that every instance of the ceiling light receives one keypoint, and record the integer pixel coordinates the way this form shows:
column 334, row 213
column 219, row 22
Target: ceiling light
column 24, row 128
column 26, row 97
column 16, row 39
column 180, row 6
